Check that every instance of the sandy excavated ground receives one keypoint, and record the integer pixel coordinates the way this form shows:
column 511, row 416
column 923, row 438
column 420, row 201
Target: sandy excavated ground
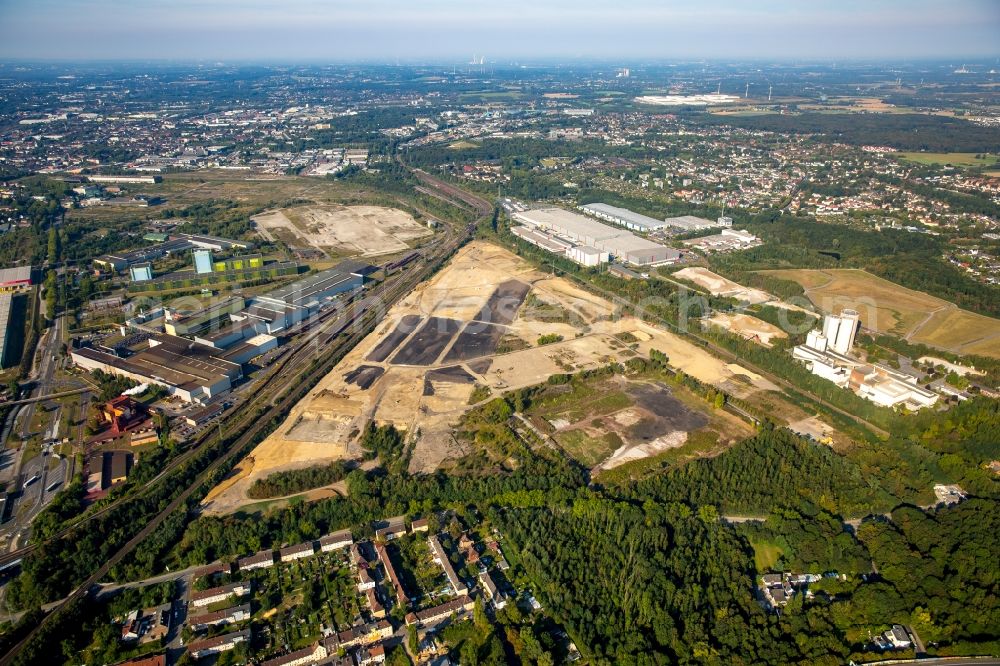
column 430, row 401
column 720, row 286
column 364, row 230
column 749, row 327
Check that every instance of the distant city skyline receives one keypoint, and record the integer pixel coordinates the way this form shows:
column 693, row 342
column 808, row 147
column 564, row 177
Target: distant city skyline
column 386, row 30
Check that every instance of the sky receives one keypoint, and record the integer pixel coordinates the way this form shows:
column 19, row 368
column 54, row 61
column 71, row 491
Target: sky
column 501, row 30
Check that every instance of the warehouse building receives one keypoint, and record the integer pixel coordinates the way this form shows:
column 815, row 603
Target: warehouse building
column 6, row 301
column 211, row 242
column 177, row 243
column 193, row 323
column 623, row 217
column 15, row 279
column 686, row 223
column 141, row 272
column 187, row 369
column 293, row 303
column 202, row 261
column 583, row 231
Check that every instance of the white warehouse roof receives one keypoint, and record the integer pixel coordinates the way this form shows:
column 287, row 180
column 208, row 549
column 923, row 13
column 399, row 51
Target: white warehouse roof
column 624, row 216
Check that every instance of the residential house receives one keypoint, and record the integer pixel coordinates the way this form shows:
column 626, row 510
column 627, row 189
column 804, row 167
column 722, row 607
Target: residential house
column 378, row 610
column 261, row 560
column 218, row 644
column 219, row 618
column 438, row 613
column 308, row 655
column 292, row 553
column 391, row 528
column 365, row 580
column 367, row 656
column 383, row 557
column 216, row 594
column 491, row 591
column 898, row 637
column 335, row 541
column 441, row 557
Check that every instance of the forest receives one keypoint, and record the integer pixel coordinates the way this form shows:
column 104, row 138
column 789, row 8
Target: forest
column 905, row 131
column 288, row 482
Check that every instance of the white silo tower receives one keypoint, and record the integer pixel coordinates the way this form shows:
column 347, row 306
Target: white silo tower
column 831, row 323
column 850, row 322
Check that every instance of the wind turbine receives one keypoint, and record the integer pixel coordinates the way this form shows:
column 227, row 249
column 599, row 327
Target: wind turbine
column 768, row 92
column 746, row 93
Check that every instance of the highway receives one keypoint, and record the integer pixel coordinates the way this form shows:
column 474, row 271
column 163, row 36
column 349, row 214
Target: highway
column 282, row 391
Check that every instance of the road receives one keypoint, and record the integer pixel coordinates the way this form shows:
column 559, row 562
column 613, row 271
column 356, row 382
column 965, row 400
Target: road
column 282, row 395
column 50, row 396
column 26, row 502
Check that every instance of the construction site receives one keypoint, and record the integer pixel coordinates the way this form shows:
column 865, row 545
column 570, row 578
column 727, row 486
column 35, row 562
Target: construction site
column 476, row 323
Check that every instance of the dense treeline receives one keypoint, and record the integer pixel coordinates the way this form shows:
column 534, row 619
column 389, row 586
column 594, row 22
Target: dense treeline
column 775, row 468
column 288, row 482
column 371, row 496
column 663, row 583
column 905, row 131
column 942, row 569
column 810, row 540
column 110, row 385
column 637, row 585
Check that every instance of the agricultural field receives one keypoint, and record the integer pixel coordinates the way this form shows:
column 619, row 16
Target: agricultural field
column 418, row 369
column 887, row 307
column 954, row 159
column 356, row 230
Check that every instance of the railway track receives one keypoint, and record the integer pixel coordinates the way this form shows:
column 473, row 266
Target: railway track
column 278, row 399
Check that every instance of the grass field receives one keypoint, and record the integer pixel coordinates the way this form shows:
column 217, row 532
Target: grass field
column 765, row 554
column 887, row 307
column 587, row 450
column 463, row 145
column 954, row 159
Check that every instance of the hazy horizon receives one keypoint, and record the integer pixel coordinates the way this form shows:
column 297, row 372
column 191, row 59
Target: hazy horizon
column 445, row 31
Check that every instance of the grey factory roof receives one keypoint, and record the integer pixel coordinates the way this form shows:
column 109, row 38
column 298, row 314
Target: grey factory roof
column 690, row 222
column 15, row 274
column 315, row 286
column 185, row 366
column 5, row 302
column 566, row 223
column 585, row 231
column 625, row 215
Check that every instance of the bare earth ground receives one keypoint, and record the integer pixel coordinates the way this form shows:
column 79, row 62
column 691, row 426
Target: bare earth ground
column 749, row 327
column 420, row 398
column 364, row 230
column 890, row 308
column 720, row 286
